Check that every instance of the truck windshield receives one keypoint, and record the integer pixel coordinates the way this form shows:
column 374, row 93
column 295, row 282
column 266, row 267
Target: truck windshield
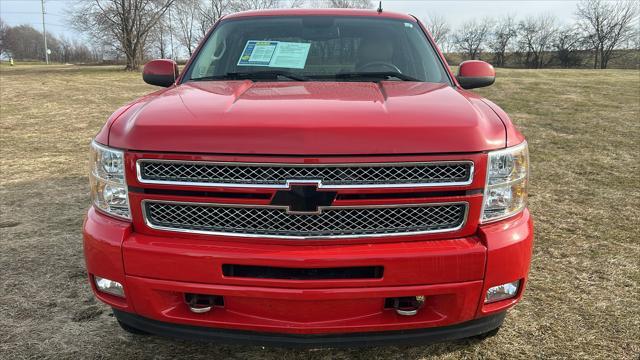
column 317, row 48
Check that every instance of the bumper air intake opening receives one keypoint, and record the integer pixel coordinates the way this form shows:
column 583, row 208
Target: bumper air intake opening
column 268, row 272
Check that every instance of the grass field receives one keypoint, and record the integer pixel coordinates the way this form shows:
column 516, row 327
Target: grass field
column 583, row 298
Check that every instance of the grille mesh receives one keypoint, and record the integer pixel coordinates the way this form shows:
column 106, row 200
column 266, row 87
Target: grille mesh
column 264, row 174
column 332, row 222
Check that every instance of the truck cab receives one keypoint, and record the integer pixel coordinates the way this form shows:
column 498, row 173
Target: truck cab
column 311, row 178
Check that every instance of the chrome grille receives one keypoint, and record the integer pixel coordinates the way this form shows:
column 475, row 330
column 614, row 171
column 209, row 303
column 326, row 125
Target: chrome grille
column 277, row 175
column 332, row 222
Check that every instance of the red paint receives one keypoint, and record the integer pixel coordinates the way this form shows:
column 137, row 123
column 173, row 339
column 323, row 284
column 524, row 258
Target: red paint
column 310, row 123
column 321, row 12
column 451, row 273
column 439, row 261
column 509, row 246
column 309, row 311
column 102, row 241
column 476, row 68
column 310, row 118
column 161, row 67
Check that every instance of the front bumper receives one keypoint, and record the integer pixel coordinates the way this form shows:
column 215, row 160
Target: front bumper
column 452, row 274
column 403, row 337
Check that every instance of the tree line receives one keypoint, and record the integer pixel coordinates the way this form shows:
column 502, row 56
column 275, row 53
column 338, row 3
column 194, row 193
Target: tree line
column 24, row 42
column 131, row 31
column 140, row 29
column 603, row 30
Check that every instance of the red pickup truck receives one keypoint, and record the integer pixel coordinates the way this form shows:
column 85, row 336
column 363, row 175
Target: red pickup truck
column 312, row 177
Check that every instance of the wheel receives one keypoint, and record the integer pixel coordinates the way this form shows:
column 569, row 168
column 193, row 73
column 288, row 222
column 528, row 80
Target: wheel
column 488, row 334
column 131, row 329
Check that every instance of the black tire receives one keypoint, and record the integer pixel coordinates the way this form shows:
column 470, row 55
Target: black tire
column 131, row 329
column 488, row 334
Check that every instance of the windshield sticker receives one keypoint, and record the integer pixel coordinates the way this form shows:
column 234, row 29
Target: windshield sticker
column 291, row 55
column 258, row 53
column 275, row 54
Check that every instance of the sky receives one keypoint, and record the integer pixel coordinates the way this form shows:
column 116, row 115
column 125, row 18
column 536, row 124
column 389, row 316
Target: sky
column 17, row 12
column 20, row 12
column 457, row 12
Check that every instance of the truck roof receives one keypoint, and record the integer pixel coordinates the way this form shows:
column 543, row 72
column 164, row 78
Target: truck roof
column 321, row 12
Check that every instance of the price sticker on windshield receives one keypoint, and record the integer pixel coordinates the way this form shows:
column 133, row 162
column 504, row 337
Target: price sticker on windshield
column 258, row 53
column 275, row 54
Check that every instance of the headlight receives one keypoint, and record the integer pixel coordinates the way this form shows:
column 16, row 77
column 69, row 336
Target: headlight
column 505, row 193
column 108, row 186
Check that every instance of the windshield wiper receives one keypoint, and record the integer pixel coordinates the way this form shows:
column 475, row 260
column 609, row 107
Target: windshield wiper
column 257, row 75
column 376, row 75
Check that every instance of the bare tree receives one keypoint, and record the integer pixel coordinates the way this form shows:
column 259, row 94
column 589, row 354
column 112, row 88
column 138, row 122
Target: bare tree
column 502, row 36
column 243, row 5
column 536, row 37
column 440, row 30
column 606, row 25
column 127, row 22
column 24, row 42
column 634, row 43
column 354, row 4
column 72, row 51
column 3, row 36
column 471, row 37
column 66, row 47
column 567, row 44
column 185, row 15
column 159, row 38
column 296, row 3
column 210, row 11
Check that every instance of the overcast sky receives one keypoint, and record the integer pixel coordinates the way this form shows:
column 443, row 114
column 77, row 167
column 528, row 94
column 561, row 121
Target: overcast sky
column 17, row 12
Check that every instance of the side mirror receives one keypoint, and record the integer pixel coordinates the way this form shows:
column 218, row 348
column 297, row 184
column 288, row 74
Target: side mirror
column 475, row 73
column 162, row 72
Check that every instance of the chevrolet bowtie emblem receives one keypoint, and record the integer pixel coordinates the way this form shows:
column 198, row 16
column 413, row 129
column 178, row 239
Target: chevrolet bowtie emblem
column 304, row 199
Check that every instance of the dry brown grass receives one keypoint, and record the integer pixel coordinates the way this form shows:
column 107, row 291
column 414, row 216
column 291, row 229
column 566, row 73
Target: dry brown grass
column 583, row 297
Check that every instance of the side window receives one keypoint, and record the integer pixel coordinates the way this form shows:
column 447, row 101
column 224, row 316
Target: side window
column 210, row 55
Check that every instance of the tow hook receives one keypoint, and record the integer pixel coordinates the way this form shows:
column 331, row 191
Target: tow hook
column 408, row 305
column 200, row 304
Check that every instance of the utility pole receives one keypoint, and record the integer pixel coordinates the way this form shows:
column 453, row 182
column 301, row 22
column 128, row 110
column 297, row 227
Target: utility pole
column 44, row 34
column 171, row 36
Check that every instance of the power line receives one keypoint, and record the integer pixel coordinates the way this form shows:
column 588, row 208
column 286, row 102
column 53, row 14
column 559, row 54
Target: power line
column 27, row 13
column 36, row 24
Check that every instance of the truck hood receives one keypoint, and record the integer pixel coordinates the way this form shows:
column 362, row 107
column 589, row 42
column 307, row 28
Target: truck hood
column 309, row 118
